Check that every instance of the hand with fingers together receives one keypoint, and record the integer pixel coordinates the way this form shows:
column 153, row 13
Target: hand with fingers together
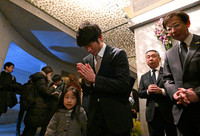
column 191, row 95
column 181, row 97
column 153, row 88
column 185, row 96
column 86, row 72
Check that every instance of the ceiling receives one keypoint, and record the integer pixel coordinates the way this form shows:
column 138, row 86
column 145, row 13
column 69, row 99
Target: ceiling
column 45, row 37
column 60, row 45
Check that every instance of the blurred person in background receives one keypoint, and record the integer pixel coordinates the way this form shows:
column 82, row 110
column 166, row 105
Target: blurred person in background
column 8, row 88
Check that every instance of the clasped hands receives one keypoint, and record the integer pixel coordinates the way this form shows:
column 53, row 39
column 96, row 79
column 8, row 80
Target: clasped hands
column 185, row 96
column 86, row 72
column 153, row 88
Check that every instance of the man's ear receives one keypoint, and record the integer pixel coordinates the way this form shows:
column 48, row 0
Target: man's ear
column 188, row 24
column 101, row 38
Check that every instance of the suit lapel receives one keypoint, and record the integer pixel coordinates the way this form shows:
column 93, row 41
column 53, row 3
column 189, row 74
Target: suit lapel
column 173, row 55
column 194, row 46
column 159, row 75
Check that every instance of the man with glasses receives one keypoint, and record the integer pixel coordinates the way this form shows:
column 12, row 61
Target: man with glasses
column 181, row 74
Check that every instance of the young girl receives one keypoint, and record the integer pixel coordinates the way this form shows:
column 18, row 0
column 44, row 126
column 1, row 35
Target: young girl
column 70, row 119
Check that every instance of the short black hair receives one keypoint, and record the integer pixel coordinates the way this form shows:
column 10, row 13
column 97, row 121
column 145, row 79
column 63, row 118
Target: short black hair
column 47, row 69
column 87, row 33
column 183, row 16
column 56, row 78
column 153, row 51
column 8, row 64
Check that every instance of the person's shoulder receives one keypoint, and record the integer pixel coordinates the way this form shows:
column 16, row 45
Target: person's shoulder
column 3, row 73
column 146, row 73
column 37, row 76
column 196, row 38
column 82, row 114
column 174, row 48
column 89, row 56
column 82, row 111
column 195, row 35
column 115, row 51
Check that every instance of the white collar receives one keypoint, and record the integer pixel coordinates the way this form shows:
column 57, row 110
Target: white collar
column 188, row 40
column 101, row 52
column 157, row 69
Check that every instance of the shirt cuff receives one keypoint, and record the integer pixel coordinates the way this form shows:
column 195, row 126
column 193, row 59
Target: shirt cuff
column 87, row 83
column 163, row 91
column 147, row 92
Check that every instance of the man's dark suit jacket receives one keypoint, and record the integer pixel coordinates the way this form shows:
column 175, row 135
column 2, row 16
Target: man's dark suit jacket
column 188, row 76
column 164, row 102
column 111, row 90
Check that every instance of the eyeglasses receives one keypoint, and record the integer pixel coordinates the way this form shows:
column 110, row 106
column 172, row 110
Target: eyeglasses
column 175, row 26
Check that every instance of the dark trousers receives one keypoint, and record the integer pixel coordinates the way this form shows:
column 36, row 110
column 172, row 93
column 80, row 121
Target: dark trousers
column 159, row 126
column 188, row 125
column 98, row 126
column 31, row 131
column 19, row 119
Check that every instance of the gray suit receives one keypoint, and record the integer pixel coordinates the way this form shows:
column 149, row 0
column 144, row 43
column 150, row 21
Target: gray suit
column 188, row 76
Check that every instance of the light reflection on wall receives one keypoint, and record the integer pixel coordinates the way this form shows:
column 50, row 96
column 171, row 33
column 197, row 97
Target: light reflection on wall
column 56, row 39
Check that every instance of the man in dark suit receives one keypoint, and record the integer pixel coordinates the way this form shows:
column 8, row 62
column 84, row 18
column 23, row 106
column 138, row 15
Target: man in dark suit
column 158, row 106
column 8, row 88
column 181, row 74
column 109, row 109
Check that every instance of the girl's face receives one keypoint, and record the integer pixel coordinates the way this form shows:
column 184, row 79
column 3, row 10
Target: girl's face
column 69, row 100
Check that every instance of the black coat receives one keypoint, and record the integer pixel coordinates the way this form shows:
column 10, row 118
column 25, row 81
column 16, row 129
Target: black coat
column 36, row 114
column 8, row 88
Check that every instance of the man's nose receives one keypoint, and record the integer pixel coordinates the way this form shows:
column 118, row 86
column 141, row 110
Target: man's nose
column 151, row 58
column 173, row 30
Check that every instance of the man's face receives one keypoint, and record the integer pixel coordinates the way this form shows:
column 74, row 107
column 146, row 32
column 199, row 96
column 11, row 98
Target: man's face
column 57, row 82
column 10, row 69
column 152, row 59
column 50, row 74
column 177, row 29
column 94, row 47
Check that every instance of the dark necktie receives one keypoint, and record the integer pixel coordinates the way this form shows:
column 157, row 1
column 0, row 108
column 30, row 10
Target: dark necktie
column 184, row 50
column 154, row 76
column 98, row 62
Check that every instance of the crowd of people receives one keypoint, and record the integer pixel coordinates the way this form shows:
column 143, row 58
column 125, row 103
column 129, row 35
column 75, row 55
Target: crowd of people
column 104, row 103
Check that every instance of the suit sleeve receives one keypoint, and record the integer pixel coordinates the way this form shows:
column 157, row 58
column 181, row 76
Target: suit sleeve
column 142, row 90
column 42, row 88
column 119, row 83
column 169, row 83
